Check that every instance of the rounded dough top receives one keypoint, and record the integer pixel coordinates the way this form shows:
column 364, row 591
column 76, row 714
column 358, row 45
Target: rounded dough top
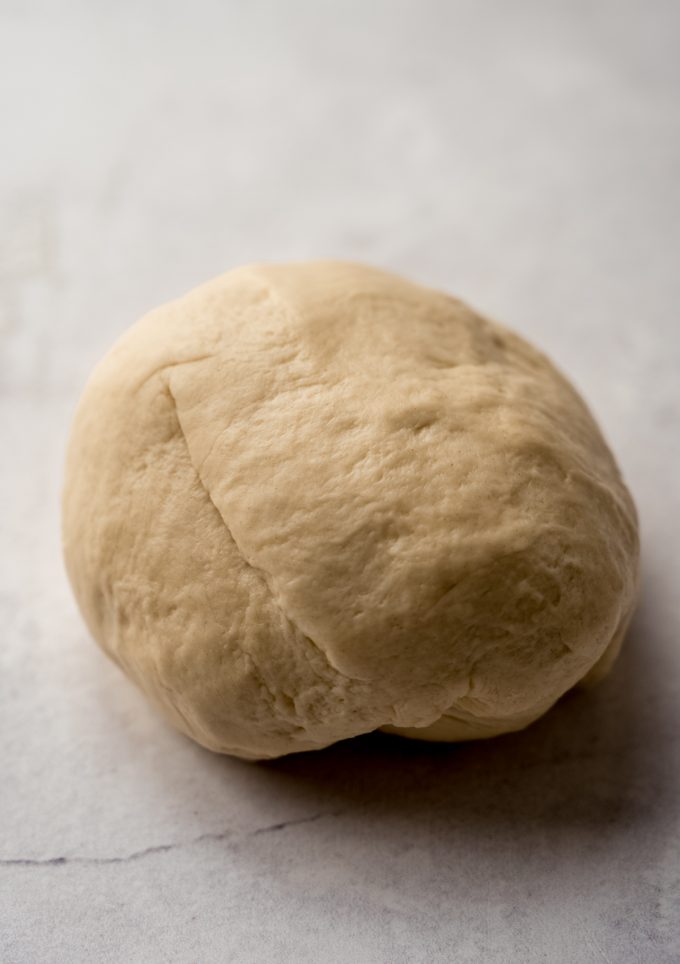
column 307, row 501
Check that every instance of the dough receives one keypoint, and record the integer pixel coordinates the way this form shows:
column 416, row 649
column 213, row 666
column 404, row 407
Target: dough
column 308, row 501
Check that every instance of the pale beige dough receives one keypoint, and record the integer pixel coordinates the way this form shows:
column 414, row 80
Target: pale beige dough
column 308, row 501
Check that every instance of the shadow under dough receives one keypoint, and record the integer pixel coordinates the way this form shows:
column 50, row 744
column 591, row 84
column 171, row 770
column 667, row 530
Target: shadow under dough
column 588, row 762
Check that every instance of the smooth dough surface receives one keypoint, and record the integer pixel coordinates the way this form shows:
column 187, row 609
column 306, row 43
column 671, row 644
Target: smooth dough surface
column 308, row 501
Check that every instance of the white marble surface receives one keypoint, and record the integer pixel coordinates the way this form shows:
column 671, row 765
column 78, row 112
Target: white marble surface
column 524, row 155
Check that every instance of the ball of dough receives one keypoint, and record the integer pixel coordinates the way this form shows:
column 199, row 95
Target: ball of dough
column 309, row 501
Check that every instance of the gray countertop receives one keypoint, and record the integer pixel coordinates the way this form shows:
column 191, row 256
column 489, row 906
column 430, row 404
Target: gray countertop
column 522, row 155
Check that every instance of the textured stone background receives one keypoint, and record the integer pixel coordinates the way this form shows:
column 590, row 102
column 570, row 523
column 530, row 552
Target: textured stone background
column 524, row 155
